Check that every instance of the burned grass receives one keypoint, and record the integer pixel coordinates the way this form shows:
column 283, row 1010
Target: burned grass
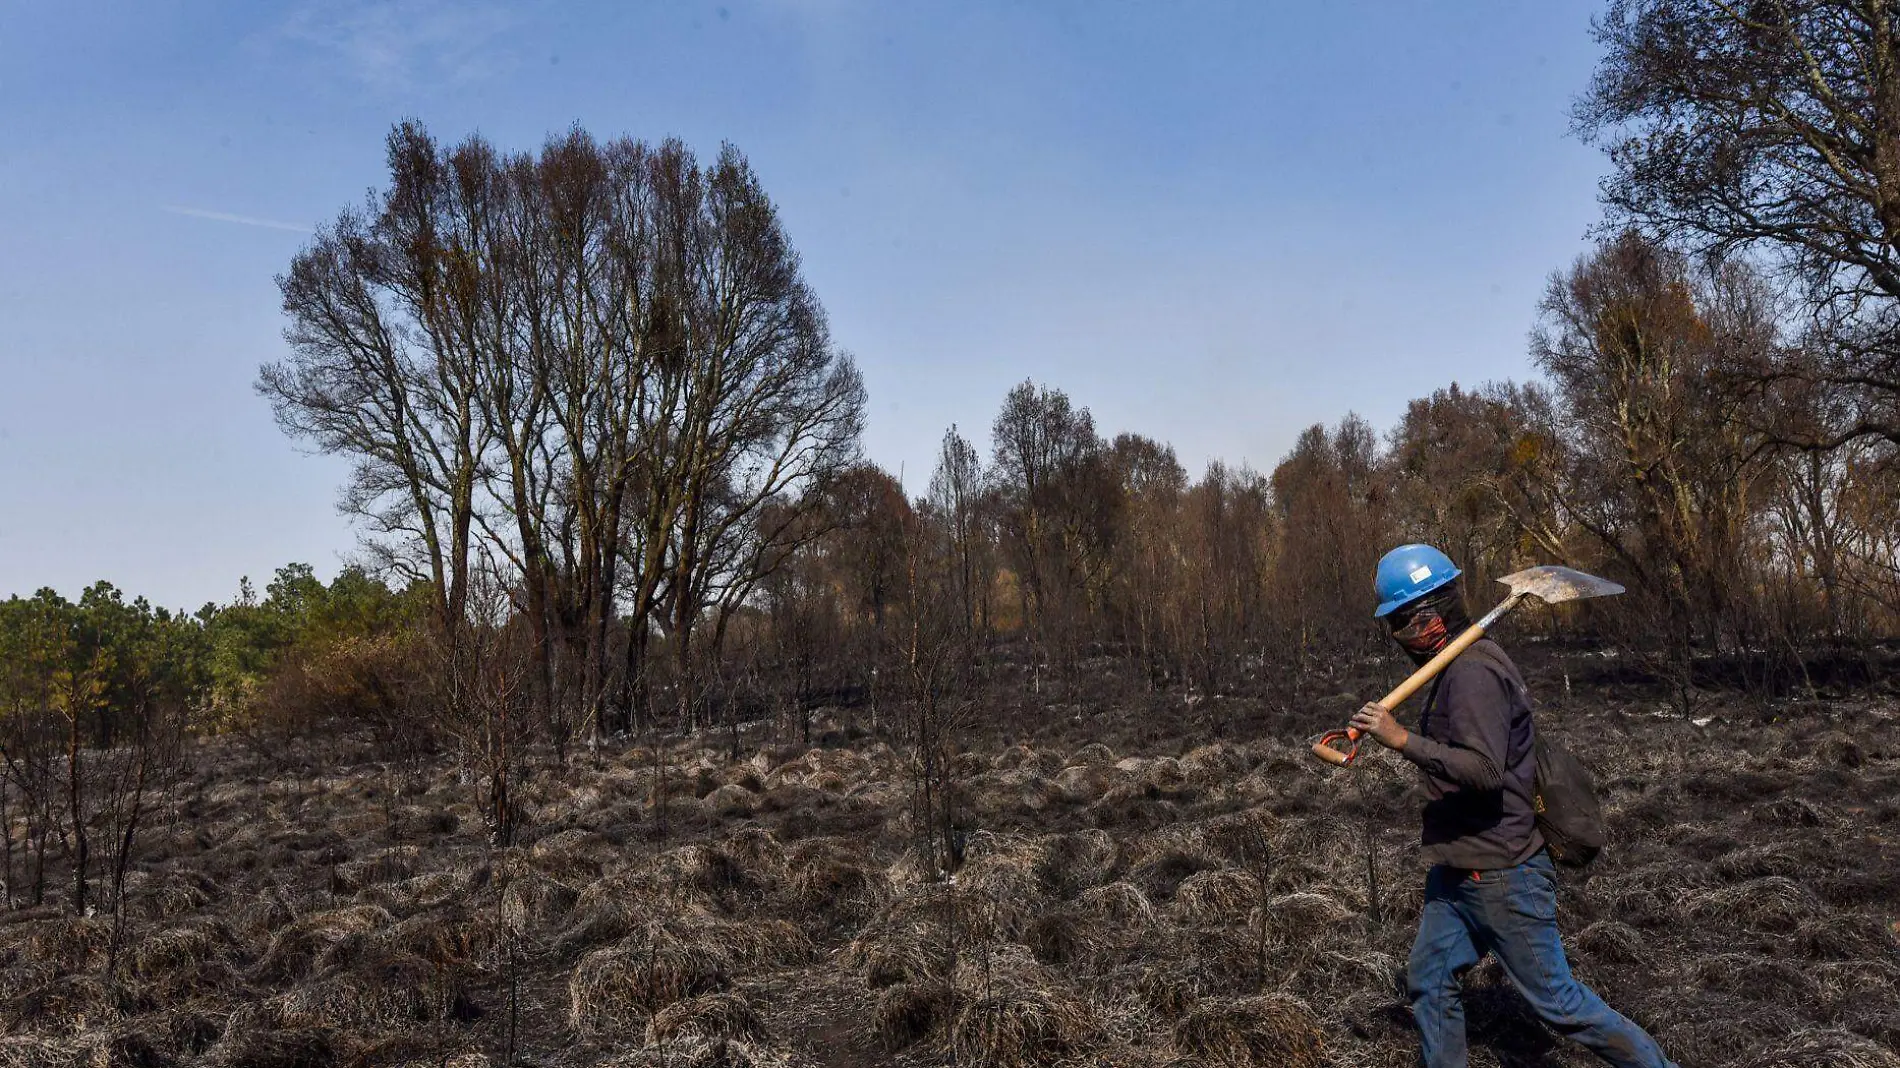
column 1134, row 900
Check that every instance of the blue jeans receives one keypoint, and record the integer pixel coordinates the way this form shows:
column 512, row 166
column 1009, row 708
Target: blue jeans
column 1511, row 912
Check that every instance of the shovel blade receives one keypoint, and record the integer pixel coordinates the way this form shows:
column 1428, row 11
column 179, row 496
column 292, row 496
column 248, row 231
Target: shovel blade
column 1554, row 585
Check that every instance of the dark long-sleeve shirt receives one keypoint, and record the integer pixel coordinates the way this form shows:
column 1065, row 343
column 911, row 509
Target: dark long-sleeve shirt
column 1475, row 743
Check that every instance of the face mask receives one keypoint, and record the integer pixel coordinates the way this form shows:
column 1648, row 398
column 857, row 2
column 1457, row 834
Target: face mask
column 1424, row 634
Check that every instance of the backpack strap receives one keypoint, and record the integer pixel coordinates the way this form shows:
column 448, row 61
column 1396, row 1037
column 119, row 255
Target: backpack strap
column 1431, row 702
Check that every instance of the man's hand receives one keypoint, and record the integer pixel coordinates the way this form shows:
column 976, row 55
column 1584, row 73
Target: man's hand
column 1376, row 722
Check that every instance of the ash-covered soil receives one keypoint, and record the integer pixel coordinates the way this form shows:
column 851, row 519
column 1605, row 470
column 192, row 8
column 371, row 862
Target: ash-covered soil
column 1167, row 903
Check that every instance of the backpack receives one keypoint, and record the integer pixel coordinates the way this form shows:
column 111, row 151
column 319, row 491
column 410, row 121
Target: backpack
column 1567, row 810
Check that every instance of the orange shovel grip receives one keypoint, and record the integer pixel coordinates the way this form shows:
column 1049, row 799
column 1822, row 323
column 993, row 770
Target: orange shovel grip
column 1323, row 748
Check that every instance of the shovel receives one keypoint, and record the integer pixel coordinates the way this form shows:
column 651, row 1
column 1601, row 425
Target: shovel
column 1549, row 584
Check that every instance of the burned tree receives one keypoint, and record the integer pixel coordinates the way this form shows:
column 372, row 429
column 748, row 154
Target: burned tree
column 1770, row 127
column 391, row 322
column 1055, row 506
column 1666, row 470
column 956, row 493
column 1329, row 497
column 598, row 364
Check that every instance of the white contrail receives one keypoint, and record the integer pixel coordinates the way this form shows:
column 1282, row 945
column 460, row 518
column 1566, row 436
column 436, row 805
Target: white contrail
column 225, row 216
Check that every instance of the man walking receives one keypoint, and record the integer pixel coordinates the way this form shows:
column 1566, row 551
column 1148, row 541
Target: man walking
column 1492, row 887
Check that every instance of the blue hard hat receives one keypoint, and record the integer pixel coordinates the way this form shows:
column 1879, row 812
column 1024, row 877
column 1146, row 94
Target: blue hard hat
column 1408, row 573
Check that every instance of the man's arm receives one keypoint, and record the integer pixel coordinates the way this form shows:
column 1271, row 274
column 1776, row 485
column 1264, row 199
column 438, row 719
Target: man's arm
column 1476, row 711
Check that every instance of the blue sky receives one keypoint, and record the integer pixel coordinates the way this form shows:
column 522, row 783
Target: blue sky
column 1212, row 223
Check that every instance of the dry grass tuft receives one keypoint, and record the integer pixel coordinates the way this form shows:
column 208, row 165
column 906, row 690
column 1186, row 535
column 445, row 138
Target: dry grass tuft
column 68, row 1006
column 1216, row 897
column 731, row 801
column 1084, row 784
column 575, row 855
column 306, row 1047
column 666, row 961
column 175, row 894
column 709, row 1016
column 1122, row 905
column 1839, row 750
column 454, row 937
column 1825, row 1049
column 532, row 903
column 1161, row 872
column 1021, row 1029
column 1072, row 863
column 388, row 866
column 194, row 959
column 1771, row 904
column 620, row 987
column 70, row 944
column 908, row 1012
column 296, row 948
column 378, row 990
column 1065, row 936
column 988, row 967
column 1214, row 765
column 612, row 907
column 899, row 950
column 1306, row 911
column 835, row 882
column 1612, row 942
column 1247, row 1031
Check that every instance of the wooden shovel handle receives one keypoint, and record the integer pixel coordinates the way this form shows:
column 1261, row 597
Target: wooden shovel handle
column 1432, row 667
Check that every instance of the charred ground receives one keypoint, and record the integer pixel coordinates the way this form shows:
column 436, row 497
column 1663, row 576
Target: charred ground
column 1132, row 890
